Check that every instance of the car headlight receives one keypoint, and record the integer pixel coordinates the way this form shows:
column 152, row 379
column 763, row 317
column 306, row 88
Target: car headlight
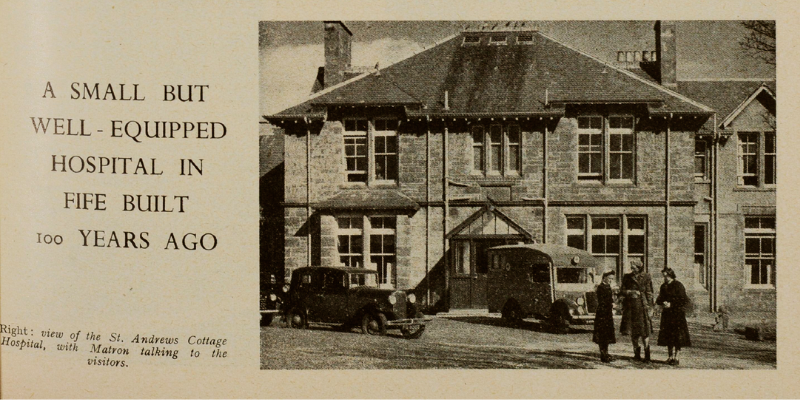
column 272, row 297
column 285, row 288
column 412, row 298
column 581, row 311
column 579, row 300
column 392, row 299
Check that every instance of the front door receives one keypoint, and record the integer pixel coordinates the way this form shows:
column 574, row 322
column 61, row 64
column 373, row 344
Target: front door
column 469, row 267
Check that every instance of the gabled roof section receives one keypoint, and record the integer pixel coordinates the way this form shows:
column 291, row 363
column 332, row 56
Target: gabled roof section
column 735, row 113
column 725, row 96
column 489, row 221
column 502, row 80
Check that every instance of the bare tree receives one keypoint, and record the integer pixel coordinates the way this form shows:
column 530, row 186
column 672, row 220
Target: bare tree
column 760, row 41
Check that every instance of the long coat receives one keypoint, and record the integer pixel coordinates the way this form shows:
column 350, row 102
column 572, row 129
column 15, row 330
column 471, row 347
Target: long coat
column 637, row 290
column 673, row 330
column 604, row 318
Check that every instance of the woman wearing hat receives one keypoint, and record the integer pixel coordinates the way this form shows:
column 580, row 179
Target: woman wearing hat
column 673, row 332
column 637, row 292
column 604, row 318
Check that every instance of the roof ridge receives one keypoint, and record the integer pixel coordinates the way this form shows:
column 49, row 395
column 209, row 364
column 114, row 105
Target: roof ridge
column 727, row 80
column 365, row 74
column 632, row 75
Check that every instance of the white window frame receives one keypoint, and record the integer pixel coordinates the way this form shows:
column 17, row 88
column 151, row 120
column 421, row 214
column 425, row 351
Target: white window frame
column 703, row 272
column 505, row 146
column 703, row 157
column 750, row 152
column 759, row 233
column 525, row 42
column 494, row 42
column 606, row 152
column 621, row 132
column 370, row 136
column 624, row 232
column 387, row 278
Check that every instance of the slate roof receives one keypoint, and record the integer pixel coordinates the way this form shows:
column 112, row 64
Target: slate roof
column 723, row 96
column 368, row 199
column 491, row 79
column 270, row 148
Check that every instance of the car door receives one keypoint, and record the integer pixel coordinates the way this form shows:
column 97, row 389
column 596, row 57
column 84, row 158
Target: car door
column 332, row 300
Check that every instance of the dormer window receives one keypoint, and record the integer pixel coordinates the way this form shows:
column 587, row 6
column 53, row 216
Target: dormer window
column 472, row 40
column 497, row 39
column 525, row 38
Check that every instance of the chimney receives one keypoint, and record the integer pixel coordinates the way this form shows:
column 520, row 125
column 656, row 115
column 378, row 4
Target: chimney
column 337, row 52
column 666, row 55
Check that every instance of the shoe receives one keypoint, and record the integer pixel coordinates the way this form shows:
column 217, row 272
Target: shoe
column 637, row 354
column 647, row 354
column 604, row 358
column 610, row 357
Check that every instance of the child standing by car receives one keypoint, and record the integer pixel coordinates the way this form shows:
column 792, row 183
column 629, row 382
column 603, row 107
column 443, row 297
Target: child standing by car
column 604, row 319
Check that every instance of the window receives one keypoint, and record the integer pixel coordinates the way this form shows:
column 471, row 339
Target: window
column 462, row 257
column 380, row 233
column 613, row 240
column 497, row 39
column 496, row 151
column 759, row 258
column 382, row 248
column 700, row 254
column 350, row 241
column 748, row 159
column 370, row 150
column 606, row 150
column 701, row 160
column 525, row 38
column 620, row 133
column 770, row 158
column 757, row 159
column 472, row 40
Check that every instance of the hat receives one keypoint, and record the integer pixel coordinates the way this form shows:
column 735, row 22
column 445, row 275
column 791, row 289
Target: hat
column 636, row 263
column 607, row 273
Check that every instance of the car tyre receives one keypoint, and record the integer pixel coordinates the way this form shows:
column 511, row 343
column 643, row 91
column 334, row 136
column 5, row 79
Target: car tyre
column 512, row 313
column 296, row 319
column 266, row 319
column 374, row 324
column 412, row 331
column 559, row 322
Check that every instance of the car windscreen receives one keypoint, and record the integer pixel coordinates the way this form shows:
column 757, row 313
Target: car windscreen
column 573, row 275
column 358, row 279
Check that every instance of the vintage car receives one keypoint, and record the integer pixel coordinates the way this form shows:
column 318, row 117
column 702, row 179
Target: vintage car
column 350, row 297
column 554, row 283
column 272, row 293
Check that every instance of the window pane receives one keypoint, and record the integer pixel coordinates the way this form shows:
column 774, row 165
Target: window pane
column 752, row 223
column 495, row 158
column 627, row 166
column 575, row 223
column 477, row 158
column 752, row 246
column 616, row 166
column 361, row 125
column 636, row 244
column 584, row 163
column 598, row 244
column 636, row 223
column 576, row 241
column 612, row 244
column 597, row 162
column 612, row 223
column 513, row 158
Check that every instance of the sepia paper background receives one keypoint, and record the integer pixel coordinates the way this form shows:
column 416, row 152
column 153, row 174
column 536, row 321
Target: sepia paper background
column 180, row 293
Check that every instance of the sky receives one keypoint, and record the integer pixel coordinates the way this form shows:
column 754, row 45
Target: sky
column 290, row 52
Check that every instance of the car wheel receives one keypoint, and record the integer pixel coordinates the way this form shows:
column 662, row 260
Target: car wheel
column 559, row 322
column 412, row 331
column 296, row 319
column 374, row 324
column 512, row 313
column 266, row 319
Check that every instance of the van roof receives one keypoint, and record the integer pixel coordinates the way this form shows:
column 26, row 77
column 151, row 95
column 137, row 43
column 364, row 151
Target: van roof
column 560, row 255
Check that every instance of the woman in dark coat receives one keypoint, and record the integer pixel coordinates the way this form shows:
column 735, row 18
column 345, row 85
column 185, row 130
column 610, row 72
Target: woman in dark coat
column 604, row 318
column 674, row 332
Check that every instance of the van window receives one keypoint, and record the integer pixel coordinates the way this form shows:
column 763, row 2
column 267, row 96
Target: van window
column 540, row 273
column 573, row 275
